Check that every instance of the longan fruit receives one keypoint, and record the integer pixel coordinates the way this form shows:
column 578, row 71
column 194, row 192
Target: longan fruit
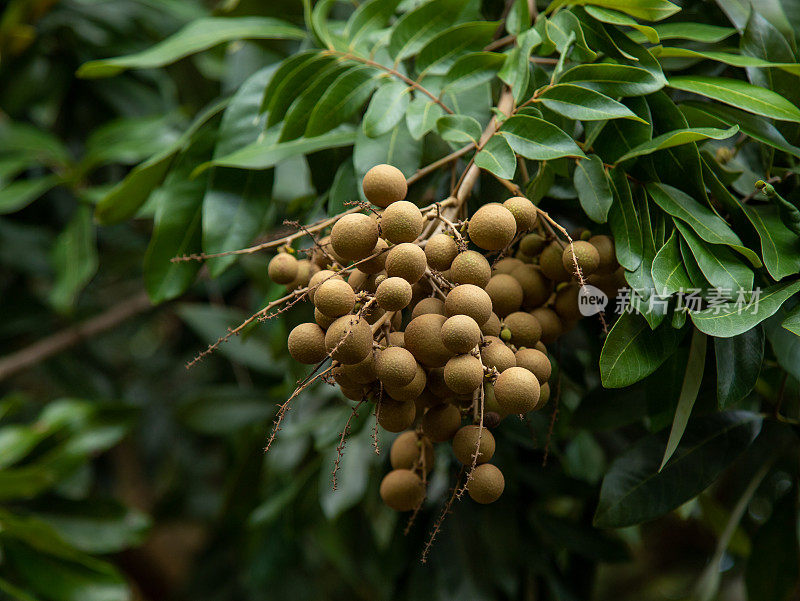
column 532, row 244
column 395, row 366
column 466, row 443
column 362, row 372
column 316, row 280
column 492, row 326
column 423, row 337
column 440, row 250
column 536, row 362
column 506, row 265
column 428, row 305
column 486, row 485
column 496, row 354
column 523, row 210
column 351, row 337
column 354, row 236
column 393, row 294
column 323, row 259
column 516, row 390
column 401, row 222
column 410, row 391
column 334, row 298
column 470, row 267
column 550, row 323
column 441, row 423
column 383, row 185
column 468, row 299
column 397, row 339
column 492, row 227
column 460, row 334
column 376, row 264
column 282, row 268
column 536, row 288
column 463, row 374
column 406, row 261
column 587, row 257
column 606, row 250
column 552, row 264
column 323, row 320
column 396, row 416
column 506, row 294
column 525, row 329
column 358, row 280
column 410, row 451
column 402, row 490
column 307, row 343
column 566, row 303
column 544, row 396
column 303, row 275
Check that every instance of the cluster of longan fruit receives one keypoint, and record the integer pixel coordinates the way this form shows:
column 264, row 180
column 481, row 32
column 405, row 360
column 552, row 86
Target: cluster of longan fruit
column 447, row 340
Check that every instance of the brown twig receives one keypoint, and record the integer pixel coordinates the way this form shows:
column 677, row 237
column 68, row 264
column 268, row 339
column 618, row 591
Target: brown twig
column 437, row 526
column 343, row 441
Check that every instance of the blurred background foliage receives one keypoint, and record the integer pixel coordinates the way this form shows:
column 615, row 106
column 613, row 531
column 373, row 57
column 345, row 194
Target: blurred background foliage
column 123, row 475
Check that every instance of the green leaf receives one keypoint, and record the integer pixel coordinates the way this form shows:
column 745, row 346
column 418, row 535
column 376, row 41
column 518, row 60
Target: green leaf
column 197, row 36
column 634, row 491
column 396, row 147
column 696, row 32
column 707, row 224
column 780, row 248
column 438, row 55
column 763, row 40
column 20, row 193
column 74, row 259
column 788, row 212
column 387, row 107
column 519, row 17
column 459, row 128
column 129, row 140
column 735, row 60
column 792, row 321
column 719, row 265
column 472, row 70
column 422, row 115
column 613, row 80
column 32, row 146
column 624, row 224
column 342, row 100
column 367, row 18
column 538, row 139
column 416, row 28
column 772, row 568
column 516, row 70
column 585, row 104
column 677, row 138
column 292, row 75
column 739, row 94
column 613, row 17
column 497, row 157
column 633, row 351
column 734, row 318
column 594, row 190
column 648, row 10
column 688, row 395
column 318, row 24
column 738, row 360
column 669, row 274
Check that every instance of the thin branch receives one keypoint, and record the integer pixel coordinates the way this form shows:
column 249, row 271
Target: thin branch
column 343, row 441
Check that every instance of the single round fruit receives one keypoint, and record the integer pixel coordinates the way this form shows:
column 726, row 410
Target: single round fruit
column 329, row 255
column 303, row 275
column 406, row 261
column 516, row 390
column 396, row 416
column 496, row 354
column 323, row 320
column 525, row 329
column 544, row 396
column 605, row 249
column 466, row 443
column 349, row 339
column 523, row 210
column 440, row 250
column 393, row 294
column 384, row 184
column 410, row 391
column 410, row 451
column 587, row 257
column 486, row 485
column 550, row 323
column 492, row 326
column 358, row 280
column 460, row 333
column 428, row 305
column 362, row 372
column 441, row 423
column 437, row 385
column 551, row 264
column 282, row 268
column 492, row 227
column 354, row 236
column 402, row 490
column 397, row 339
column 307, row 343
column 376, row 264
column 532, row 244
column 468, row 299
column 401, row 222
column 470, row 267
column 536, row 362
column 395, row 366
column 536, row 288
column 334, row 298
column 506, row 294
column 423, row 337
column 566, row 303
column 463, row 374
column 316, row 280
column 506, row 265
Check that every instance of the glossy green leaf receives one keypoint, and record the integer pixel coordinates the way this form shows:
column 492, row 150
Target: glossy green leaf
column 669, row 274
column 459, row 128
column 696, row 32
column 197, row 36
column 738, row 360
column 497, row 157
column 31, row 145
column 613, row 80
column 519, row 17
column 762, row 39
column 367, row 18
column 792, row 321
column 538, row 139
column 677, row 138
column 649, row 10
column 719, row 265
column 594, row 190
column 20, row 193
column 74, row 259
column 728, row 58
column 787, row 211
column 290, row 78
column 129, row 140
column 422, row 115
column 438, row 55
column 416, row 28
column 624, row 224
column 585, row 104
column 342, row 100
column 472, row 70
column 613, row 17
column 516, row 70
column 780, row 248
column 396, row 147
column 387, row 107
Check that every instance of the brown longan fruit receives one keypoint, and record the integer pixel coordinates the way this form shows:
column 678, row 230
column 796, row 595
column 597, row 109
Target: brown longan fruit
column 402, row 490
column 550, row 323
column 334, row 298
column 395, row 366
column 376, row 264
column 492, row 326
column 466, row 443
column 441, row 423
column 516, row 390
column 401, row 222
column 587, row 257
column 410, row 391
column 351, row 337
column 605, row 249
column 362, row 372
column 468, row 299
column 463, row 374
column 423, row 337
column 506, row 265
column 523, row 210
column 532, row 244
column 506, row 294
column 323, row 259
column 316, row 280
column 544, row 396
column 536, row 288
column 406, row 261
column 323, row 320
column 307, row 343
column 440, row 250
column 492, row 227
column 304, row 273
column 358, row 280
column 383, row 185
column 393, row 294
column 487, row 484
column 470, row 267
column 525, row 329
column 551, row 263
column 566, row 303
column 282, row 268
column 536, row 362
column 354, row 236
column 428, row 305
column 460, row 334
column 496, row 354
column 396, row 416
column 410, row 451
column 437, row 385
column 396, row 339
